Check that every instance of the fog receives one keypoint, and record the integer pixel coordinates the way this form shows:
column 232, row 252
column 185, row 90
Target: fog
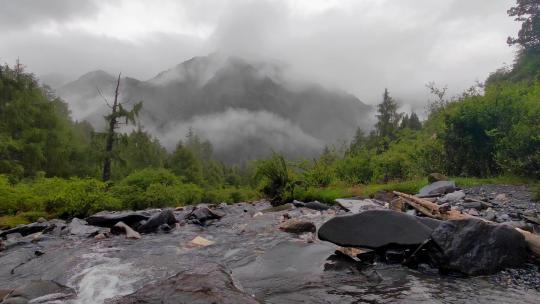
column 359, row 46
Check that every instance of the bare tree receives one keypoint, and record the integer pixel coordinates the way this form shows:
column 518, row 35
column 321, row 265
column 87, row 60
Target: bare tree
column 118, row 112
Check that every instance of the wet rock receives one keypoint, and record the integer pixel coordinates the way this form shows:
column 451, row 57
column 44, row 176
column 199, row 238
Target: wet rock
column 532, row 219
column 475, row 247
column 81, row 228
column 453, row 197
column 207, row 283
column 315, row 205
column 436, row 177
column 34, row 290
column 284, row 207
column 297, row 226
column 122, row 228
column 473, row 212
column 489, row 215
column 3, row 293
column 501, row 199
column 152, row 224
column 358, row 205
column 203, row 216
column 199, row 241
column 2, row 245
column 473, row 205
column 109, row 219
column 438, row 188
column 375, row 229
column 25, row 229
column 56, row 227
column 165, row 228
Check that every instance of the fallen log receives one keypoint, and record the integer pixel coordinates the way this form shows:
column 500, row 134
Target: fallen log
column 433, row 210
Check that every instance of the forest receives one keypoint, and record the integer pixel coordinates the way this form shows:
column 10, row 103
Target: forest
column 52, row 166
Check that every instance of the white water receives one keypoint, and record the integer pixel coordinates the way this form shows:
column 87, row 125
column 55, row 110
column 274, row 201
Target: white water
column 102, row 278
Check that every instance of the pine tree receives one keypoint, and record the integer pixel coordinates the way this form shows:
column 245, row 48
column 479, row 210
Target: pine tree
column 388, row 117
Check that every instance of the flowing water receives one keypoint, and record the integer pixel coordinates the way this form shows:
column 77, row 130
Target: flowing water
column 274, row 266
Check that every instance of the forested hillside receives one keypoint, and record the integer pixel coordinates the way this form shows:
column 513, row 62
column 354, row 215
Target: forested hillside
column 51, row 165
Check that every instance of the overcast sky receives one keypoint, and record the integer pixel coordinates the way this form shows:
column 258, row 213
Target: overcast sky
column 361, row 46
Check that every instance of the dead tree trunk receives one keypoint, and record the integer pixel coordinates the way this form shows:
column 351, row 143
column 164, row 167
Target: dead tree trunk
column 113, row 123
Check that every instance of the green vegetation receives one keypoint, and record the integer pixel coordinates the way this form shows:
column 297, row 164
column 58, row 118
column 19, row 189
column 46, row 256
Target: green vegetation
column 52, row 166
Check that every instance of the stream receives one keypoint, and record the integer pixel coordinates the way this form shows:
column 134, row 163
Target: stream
column 271, row 265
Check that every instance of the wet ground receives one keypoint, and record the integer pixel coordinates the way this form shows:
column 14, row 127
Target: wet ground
column 274, row 266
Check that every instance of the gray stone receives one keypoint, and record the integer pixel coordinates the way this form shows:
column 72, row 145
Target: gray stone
column 358, row 205
column 438, row 188
column 81, row 228
column 453, row 197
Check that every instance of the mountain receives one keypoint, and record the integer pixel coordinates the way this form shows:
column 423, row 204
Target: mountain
column 246, row 109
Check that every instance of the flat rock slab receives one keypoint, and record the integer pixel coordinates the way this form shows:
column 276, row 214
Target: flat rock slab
column 81, row 228
column 207, row 283
column 438, row 188
column 38, row 289
column 109, row 219
column 375, row 229
column 475, row 247
column 358, row 205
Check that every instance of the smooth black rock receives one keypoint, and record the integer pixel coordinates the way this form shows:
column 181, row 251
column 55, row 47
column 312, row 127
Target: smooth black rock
column 375, row 229
column 438, row 188
column 203, row 216
column 109, row 219
column 152, row 224
column 475, row 247
column 207, row 283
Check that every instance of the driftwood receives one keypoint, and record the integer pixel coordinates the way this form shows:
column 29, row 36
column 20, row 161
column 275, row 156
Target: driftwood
column 433, row 210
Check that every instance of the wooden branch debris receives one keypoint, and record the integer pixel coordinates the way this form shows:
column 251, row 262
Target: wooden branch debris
column 433, row 210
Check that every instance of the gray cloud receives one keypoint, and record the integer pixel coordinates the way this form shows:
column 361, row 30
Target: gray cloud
column 19, row 14
column 359, row 46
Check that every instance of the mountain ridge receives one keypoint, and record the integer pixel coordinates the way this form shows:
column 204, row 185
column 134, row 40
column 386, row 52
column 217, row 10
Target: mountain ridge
column 208, row 91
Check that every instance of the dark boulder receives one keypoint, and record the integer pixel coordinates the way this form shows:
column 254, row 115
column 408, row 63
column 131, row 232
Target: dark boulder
column 152, row 224
column 109, row 219
column 476, row 247
column 25, row 230
column 376, row 229
column 207, row 283
column 438, row 188
column 203, row 216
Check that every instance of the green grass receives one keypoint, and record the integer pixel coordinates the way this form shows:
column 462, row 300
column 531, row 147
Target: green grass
column 22, row 218
column 329, row 194
column 502, row 180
